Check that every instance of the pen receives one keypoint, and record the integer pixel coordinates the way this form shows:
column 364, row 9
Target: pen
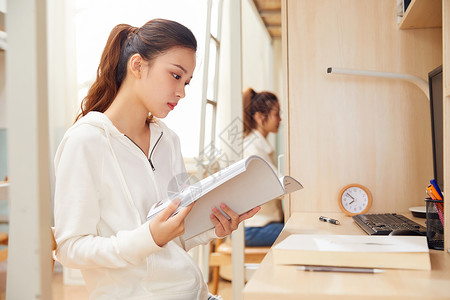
column 436, row 187
column 339, row 269
column 329, row 220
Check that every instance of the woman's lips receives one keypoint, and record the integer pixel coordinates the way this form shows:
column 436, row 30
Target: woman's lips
column 172, row 105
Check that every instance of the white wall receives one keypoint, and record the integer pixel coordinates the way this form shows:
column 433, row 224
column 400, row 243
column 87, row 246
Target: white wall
column 3, row 132
column 278, row 89
column 2, row 91
column 257, row 54
column 3, row 121
column 257, row 73
column 261, row 61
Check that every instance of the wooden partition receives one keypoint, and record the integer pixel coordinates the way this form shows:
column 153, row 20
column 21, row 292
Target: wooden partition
column 446, row 80
column 342, row 129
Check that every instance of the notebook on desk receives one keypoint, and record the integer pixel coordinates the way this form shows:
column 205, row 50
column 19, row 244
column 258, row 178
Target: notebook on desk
column 398, row 252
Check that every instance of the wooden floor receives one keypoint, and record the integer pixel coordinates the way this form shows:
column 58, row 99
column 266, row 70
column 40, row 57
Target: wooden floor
column 74, row 292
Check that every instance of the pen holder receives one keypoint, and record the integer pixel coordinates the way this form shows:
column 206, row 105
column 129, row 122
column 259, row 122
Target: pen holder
column 435, row 223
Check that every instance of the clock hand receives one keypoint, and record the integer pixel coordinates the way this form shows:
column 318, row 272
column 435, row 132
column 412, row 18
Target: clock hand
column 348, row 194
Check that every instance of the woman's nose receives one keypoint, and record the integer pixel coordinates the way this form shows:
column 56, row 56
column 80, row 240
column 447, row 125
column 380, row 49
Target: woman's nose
column 181, row 92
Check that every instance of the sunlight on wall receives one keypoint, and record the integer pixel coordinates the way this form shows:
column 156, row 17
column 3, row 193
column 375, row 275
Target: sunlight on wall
column 94, row 21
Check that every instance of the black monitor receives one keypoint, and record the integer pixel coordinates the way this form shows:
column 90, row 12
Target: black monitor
column 437, row 124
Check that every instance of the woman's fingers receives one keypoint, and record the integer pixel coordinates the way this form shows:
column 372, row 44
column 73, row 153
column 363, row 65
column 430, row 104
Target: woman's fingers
column 182, row 213
column 225, row 226
column 216, row 222
column 221, row 218
column 225, row 221
column 234, row 217
column 170, row 209
column 166, row 225
column 249, row 214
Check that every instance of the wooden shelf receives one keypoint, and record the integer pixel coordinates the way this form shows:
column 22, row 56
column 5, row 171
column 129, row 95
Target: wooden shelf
column 422, row 14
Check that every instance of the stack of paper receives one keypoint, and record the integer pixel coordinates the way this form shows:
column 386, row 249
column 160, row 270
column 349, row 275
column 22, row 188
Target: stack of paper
column 401, row 252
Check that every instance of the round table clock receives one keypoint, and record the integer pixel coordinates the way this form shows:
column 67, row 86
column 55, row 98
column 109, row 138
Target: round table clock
column 355, row 199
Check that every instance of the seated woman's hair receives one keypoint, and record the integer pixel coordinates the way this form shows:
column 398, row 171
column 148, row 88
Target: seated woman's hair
column 254, row 102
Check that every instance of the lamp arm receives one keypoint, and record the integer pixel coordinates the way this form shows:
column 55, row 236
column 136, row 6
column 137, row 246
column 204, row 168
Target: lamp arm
column 419, row 82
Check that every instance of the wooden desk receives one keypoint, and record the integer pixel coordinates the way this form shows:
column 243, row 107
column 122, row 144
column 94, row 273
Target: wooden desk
column 285, row 282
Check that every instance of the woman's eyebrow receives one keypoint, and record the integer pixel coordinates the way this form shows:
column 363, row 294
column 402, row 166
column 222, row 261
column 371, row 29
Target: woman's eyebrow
column 181, row 67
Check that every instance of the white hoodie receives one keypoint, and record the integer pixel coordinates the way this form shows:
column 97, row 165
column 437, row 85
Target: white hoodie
column 105, row 186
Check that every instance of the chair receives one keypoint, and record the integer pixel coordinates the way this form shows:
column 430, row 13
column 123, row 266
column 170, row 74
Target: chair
column 3, row 252
column 221, row 256
column 4, row 242
column 4, row 219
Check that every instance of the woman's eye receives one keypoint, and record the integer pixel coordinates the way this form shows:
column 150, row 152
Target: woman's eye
column 176, row 76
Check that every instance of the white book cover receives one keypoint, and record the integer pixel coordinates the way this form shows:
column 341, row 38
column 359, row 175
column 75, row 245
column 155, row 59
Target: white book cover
column 397, row 252
column 243, row 185
column 354, row 243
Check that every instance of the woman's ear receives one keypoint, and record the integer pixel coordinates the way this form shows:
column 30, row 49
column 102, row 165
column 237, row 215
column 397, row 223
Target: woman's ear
column 135, row 65
column 259, row 118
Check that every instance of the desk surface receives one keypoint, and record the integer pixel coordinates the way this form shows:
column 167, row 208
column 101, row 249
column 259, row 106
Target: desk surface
column 285, row 282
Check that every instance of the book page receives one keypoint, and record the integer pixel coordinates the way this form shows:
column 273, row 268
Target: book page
column 197, row 190
column 290, row 184
column 257, row 185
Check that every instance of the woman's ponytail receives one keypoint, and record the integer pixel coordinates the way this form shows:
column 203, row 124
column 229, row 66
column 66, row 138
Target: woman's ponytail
column 249, row 122
column 105, row 87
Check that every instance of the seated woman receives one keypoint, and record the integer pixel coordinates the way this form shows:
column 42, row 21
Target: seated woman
column 261, row 116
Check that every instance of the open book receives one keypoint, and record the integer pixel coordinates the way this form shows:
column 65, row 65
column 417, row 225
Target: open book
column 369, row 251
column 242, row 186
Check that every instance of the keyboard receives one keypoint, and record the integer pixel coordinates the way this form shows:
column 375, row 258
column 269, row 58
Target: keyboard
column 385, row 223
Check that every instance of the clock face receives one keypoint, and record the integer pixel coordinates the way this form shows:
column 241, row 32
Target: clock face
column 355, row 199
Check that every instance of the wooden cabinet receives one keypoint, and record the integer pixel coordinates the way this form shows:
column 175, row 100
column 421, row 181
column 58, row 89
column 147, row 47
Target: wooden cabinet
column 342, row 129
column 436, row 13
column 446, row 71
column 428, row 14
column 422, row 14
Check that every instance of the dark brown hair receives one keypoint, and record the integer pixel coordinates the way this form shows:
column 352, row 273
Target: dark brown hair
column 151, row 40
column 254, row 102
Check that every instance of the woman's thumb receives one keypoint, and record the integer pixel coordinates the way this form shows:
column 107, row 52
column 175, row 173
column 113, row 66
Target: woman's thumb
column 170, row 209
